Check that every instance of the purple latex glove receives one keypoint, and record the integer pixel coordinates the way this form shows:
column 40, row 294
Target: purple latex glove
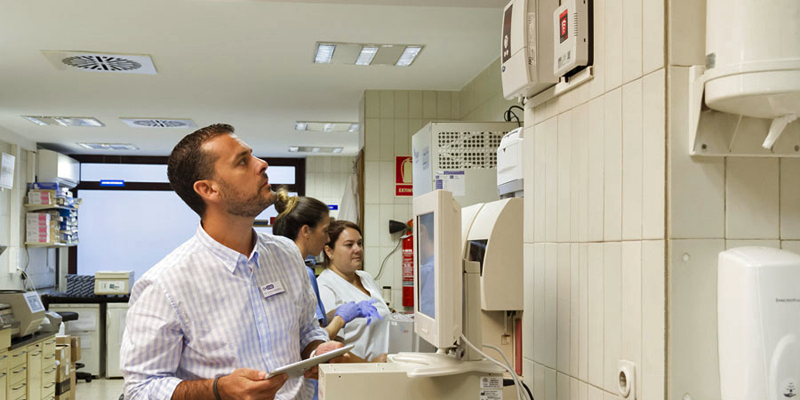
column 368, row 310
column 348, row 311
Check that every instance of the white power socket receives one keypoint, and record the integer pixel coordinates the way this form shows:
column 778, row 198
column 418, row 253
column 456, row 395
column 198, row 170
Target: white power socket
column 627, row 379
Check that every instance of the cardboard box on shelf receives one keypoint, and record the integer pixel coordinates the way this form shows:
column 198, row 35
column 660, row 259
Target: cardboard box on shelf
column 75, row 345
column 63, row 368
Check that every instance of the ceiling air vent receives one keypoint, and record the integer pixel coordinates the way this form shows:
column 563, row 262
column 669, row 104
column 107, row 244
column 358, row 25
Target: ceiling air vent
column 158, row 123
column 314, row 149
column 109, row 146
column 101, row 62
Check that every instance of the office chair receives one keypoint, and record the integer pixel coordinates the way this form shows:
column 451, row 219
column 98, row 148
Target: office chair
column 73, row 316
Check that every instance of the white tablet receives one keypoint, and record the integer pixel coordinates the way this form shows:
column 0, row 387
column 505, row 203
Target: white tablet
column 299, row 368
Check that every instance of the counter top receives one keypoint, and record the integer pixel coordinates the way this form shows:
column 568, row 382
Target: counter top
column 30, row 339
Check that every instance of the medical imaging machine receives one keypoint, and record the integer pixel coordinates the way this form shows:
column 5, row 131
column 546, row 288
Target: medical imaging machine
column 460, row 271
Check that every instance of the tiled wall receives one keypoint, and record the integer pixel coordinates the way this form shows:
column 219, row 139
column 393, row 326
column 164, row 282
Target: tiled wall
column 326, row 177
column 714, row 204
column 594, row 235
column 482, row 98
column 391, row 118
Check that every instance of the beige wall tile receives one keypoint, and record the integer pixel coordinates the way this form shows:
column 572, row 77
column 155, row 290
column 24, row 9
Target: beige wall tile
column 612, row 166
column 538, row 388
column 387, row 103
column 596, row 140
column 653, row 154
column 402, row 140
column 631, row 40
column 539, row 300
column 752, row 193
column 596, row 307
column 791, row 245
column 692, row 179
column 401, row 104
column 597, row 85
column 790, row 198
column 540, row 178
column 455, row 105
column 563, row 310
column 632, row 160
column 581, row 129
column 387, row 182
column 415, row 104
column 583, row 317
column 730, row 244
column 528, row 175
column 564, row 166
column 528, row 259
column 612, row 310
column 694, row 364
column 550, row 305
column 687, row 27
column 372, row 182
column 631, row 349
column 550, row 388
column 550, row 131
column 372, row 103
column 653, row 320
column 372, row 150
column 563, row 389
column 443, row 105
column 387, row 139
column 575, row 308
column 428, row 104
column 595, row 393
column 653, row 54
column 613, row 44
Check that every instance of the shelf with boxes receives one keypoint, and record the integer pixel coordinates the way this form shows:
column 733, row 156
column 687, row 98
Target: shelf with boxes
column 51, row 218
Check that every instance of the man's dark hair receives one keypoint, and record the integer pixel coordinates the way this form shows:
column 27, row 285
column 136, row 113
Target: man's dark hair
column 188, row 163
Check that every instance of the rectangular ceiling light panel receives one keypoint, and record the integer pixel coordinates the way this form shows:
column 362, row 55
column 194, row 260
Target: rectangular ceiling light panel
column 64, row 121
column 400, row 55
column 108, row 146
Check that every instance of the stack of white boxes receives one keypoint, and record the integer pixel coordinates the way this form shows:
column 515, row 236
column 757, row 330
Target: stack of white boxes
column 39, row 228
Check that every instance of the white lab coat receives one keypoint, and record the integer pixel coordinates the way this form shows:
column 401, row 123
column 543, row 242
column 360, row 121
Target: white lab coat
column 348, row 209
column 370, row 341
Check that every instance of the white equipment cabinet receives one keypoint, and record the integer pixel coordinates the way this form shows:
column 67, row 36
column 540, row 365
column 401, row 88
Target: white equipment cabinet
column 115, row 328
column 89, row 327
column 458, row 157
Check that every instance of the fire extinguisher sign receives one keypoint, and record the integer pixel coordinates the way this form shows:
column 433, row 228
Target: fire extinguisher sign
column 402, row 176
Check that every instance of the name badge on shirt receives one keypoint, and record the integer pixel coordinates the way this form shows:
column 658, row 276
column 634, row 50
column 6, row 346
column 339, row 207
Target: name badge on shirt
column 271, row 289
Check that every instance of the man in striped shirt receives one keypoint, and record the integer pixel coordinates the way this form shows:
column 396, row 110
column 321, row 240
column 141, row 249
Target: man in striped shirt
column 215, row 315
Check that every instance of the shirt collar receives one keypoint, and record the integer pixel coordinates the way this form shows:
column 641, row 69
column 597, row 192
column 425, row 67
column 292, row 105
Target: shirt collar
column 229, row 257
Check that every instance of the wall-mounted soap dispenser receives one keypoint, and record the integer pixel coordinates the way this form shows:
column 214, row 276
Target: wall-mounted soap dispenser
column 758, row 320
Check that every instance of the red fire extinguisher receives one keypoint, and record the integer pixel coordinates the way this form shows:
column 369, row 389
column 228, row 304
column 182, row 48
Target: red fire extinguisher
column 408, row 268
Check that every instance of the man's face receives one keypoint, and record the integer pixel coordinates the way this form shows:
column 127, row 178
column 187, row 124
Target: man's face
column 242, row 178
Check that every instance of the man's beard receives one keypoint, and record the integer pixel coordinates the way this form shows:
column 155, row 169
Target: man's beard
column 237, row 204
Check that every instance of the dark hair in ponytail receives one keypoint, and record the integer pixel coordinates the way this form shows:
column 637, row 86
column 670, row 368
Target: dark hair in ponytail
column 294, row 212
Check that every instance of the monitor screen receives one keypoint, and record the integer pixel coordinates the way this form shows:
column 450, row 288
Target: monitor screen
column 425, row 263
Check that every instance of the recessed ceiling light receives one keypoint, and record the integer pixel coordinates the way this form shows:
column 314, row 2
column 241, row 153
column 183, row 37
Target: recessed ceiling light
column 35, row 120
column 315, row 150
column 338, row 149
column 324, row 53
column 293, row 149
column 326, row 126
column 408, row 56
column 108, row 146
column 64, row 121
column 366, row 55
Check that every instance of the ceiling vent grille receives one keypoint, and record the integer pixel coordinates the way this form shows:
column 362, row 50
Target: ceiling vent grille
column 109, row 146
column 158, row 123
column 315, row 149
column 101, row 62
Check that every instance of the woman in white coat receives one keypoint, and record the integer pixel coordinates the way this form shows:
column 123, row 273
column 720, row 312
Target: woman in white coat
column 344, row 281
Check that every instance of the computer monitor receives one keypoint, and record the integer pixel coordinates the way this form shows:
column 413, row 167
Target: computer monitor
column 438, row 268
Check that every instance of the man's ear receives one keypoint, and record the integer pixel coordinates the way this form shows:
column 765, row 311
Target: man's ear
column 208, row 190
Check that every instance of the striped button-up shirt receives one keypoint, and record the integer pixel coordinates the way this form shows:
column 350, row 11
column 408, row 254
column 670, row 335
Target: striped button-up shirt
column 205, row 310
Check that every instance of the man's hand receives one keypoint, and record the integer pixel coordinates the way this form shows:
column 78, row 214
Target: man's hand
column 249, row 384
column 325, row 348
